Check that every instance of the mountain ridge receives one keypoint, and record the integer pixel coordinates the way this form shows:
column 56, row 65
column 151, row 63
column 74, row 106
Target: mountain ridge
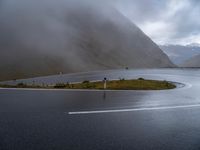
column 74, row 38
column 193, row 62
column 180, row 53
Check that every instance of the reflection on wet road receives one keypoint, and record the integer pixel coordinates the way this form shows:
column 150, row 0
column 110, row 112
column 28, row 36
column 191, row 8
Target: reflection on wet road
column 83, row 119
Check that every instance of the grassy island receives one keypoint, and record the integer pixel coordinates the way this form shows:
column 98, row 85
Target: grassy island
column 122, row 84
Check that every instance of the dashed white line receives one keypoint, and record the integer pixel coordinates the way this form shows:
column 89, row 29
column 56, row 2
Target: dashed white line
column 133, row 109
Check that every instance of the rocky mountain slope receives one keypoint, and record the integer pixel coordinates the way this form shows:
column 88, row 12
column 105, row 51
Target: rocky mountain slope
column 42, row 37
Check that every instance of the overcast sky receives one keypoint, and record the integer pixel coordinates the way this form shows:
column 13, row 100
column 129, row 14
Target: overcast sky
column 165, row 21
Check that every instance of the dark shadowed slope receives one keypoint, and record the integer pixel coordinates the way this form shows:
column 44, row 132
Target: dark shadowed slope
column 41, row 37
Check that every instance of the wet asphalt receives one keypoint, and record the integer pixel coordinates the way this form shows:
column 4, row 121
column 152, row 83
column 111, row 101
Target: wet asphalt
column 144, row 120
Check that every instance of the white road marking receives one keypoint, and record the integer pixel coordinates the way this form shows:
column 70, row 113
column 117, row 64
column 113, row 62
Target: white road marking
column 133, row 109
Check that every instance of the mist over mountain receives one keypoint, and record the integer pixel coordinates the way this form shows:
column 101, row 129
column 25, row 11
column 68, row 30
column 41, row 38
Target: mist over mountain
column 42, row 37
column 179, row 53
column 193, row 62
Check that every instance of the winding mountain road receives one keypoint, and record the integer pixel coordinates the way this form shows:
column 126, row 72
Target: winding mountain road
column 101, row 120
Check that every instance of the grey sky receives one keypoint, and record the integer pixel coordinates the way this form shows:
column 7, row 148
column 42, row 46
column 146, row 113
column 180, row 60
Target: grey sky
column 165, row 21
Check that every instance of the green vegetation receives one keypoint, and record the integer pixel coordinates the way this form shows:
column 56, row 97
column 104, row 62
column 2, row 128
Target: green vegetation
column 21, row 85
column 121, row 84
column 60, row 85
column 140, row 78
column 85, row 82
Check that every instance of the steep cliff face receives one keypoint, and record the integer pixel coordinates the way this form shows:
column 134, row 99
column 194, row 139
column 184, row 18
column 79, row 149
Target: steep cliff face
column 46, row 37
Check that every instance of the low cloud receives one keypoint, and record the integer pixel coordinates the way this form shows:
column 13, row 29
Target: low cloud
column 166, row 22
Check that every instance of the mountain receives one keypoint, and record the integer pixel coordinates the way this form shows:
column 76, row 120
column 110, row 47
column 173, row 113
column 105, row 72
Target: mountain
column 193, row 45
column 193, row 62
column 179, row 53
column 43, row 37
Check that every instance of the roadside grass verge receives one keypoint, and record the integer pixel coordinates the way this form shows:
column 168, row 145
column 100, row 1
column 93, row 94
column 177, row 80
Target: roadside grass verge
column 122, row 84
column 137, row 84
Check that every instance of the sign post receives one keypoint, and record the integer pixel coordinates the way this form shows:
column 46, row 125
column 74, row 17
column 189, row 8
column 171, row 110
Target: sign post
column 105, row 84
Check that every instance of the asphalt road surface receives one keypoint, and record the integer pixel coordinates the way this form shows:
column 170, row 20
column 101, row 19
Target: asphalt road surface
column 33, row 119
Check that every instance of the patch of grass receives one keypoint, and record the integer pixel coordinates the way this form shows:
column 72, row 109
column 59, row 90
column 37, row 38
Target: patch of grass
column 6, row 86
column 140, row 78
column 121, row 79
column 21, row 85
column 60, row 85
column 139, row 84
column 122, row 84
column 86, row 81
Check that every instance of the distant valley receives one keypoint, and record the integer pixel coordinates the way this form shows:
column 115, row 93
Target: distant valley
column 181, row 55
